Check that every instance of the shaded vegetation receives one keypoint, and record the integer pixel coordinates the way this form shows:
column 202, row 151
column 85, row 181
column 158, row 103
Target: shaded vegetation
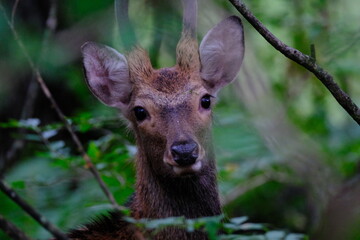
column 285, row 148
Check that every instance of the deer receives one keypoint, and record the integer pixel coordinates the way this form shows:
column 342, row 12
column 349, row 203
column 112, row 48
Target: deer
column 169, row 111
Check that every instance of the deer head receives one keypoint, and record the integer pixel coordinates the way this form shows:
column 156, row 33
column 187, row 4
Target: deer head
column 169, row 109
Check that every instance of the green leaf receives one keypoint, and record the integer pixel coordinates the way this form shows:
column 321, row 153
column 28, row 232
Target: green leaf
column 49, row 133
column 10, row 124
column 33, row 137
column 275, row 235
column 29, row 123
column 190, row 225
column 296, row 236
column 18, row 184
column 212, row 229
column 165, row 222
column 252, row 227
column 230, row 227
column 57, row 145
column 93, row 151
column 239, row 220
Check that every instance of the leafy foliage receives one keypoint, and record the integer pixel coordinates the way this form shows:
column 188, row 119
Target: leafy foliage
column 235, row 229
column 282, row 143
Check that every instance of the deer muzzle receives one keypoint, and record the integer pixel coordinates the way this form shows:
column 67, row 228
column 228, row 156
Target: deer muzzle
column 185, row 157
column 185, row 153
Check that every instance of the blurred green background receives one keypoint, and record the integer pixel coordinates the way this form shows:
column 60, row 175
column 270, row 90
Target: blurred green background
column 287, row 153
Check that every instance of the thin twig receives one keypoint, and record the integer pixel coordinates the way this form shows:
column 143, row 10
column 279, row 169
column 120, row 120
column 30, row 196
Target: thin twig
column 75, row 139
column 51, row 24
column 60, row 114
column 33, row 88
column 31, row 211
column 306, row 61
column 11, row 230
column 13, row 12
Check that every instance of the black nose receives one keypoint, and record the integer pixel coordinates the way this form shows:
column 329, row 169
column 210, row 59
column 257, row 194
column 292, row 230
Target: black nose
column 185, row 153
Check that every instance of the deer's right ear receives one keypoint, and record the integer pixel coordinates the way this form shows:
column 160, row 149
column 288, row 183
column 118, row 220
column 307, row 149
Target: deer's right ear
column 221, row 53
column 107, row 74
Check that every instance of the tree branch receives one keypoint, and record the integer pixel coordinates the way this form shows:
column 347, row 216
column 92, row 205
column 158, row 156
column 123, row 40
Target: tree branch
column 33, row 88
column 304, row 60
column 11, row 230
column 13, row 12
column 60, row 114
column 31, row 211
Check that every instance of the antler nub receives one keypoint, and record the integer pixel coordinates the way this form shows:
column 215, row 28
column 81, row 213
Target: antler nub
column 187, row 56
column 139, row 65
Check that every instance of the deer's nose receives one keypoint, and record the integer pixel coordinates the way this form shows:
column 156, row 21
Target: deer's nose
column 185, row 153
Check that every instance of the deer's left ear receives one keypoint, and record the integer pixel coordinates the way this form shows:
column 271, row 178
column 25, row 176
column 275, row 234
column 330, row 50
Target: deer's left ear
column 221, row 53
column 107, row 74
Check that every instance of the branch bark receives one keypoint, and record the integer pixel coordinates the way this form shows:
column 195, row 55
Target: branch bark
column 302, row 59
column 31, row 211
column 11, row 230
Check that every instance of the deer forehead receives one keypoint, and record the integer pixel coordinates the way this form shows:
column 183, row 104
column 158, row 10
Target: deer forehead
column 160, row 99
column 168, row 87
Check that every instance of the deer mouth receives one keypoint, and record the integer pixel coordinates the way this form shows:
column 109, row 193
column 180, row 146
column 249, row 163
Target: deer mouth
column 186, row 170
column 184, row 159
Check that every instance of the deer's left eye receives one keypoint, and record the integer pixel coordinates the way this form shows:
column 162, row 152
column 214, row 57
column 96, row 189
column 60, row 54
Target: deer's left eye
column 205, row 101
column 140, row 113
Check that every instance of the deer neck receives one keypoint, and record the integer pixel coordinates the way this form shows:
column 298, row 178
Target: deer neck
column 159, row 196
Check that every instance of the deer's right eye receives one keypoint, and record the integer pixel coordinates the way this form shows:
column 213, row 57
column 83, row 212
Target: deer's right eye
column 205, row 101
column 140, row 113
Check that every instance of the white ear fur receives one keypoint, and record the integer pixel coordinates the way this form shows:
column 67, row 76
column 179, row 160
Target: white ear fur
column 221, row 53
column 107, row 74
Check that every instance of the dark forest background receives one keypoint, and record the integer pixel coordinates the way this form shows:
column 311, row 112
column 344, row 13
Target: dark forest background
column 287, row 153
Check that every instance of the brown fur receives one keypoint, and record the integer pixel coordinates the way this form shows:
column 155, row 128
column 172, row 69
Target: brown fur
column 187, row 55
column 175, row 116
column 139, row 65
column 172, row 97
